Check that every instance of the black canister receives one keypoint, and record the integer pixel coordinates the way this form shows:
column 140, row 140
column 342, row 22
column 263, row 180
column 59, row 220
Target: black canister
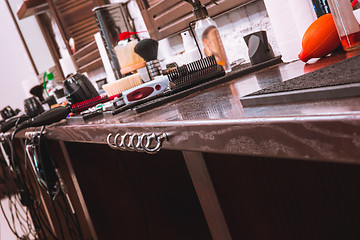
column 258, row 47
column 33, row 106
column 321, row 7
column 78, row 88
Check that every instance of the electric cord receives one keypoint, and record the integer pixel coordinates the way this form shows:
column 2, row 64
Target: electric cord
column 22, row 178
column 49, row 192
column 67, row 214
column 8, row 222
column 11, row 227
column 75, row 220
column 22, row 185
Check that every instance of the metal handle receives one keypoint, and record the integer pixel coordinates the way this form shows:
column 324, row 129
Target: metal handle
column 137, row 142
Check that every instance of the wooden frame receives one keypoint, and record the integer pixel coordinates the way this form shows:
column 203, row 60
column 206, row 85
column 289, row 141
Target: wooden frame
column 166, row 17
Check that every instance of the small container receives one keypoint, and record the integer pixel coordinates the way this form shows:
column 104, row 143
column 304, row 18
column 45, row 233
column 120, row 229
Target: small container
column 51, row 85
column 125, row 51
column 346, row 24
column 191, row 52
column 211, row 42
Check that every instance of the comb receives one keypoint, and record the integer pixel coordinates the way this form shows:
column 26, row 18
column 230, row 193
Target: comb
column 194, row 73
column 84, row 105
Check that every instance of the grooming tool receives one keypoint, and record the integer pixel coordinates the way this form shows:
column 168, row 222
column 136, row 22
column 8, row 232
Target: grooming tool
column 122, row 84
column 46, row 118
column 84, row 105
column 146, row 90
column 33, row 106
column 8, row 112
column 148, row 50
column 194, row 73
column 111, row 19
column 128, row 59
column 11, row 122
column 178, row 93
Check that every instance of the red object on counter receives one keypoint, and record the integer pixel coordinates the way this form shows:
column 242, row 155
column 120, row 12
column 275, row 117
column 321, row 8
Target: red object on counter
column 320, row 39
column 127, row 34
column 353, row 3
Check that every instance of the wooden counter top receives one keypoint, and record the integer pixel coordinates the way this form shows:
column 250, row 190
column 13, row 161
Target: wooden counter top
column 214, row 120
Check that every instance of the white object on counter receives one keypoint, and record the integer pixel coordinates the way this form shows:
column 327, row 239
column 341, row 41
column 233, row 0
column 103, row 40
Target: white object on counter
column 290, row 19
column 66, row 63
column 357, row 15
column 191, row 51
column 105, row 59
column 304, row 15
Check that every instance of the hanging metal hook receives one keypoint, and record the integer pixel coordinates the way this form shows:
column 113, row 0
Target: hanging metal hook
column 109, row 143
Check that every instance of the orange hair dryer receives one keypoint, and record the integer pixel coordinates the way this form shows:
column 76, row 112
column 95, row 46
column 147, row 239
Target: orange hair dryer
column 320, row 39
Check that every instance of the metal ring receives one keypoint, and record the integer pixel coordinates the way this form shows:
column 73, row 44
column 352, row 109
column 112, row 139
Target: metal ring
column 149, row 139
column 109, row 143
column 137, row 146
column 143, row 143
column 158, row 146
column 126, row 145
column 121, row 145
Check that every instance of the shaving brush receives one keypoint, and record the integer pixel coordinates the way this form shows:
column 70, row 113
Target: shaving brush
column 148, row 50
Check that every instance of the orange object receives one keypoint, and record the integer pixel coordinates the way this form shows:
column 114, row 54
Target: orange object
column 320, row 39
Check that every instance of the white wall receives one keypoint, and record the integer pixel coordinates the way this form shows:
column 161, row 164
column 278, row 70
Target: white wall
column 5, row 231
column 34, row 39
column 16, row 73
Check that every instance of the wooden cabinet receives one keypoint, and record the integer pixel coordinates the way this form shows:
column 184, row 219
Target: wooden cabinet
column 164, row 18
column 76, row 20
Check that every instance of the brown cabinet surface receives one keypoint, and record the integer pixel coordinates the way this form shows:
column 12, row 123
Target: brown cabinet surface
column 164, row 18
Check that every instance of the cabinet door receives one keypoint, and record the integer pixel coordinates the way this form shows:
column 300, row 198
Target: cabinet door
column 164, row 18
column 76, row 20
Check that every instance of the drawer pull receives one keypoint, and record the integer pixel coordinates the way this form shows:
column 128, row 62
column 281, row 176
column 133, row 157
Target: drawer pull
column 146, row 142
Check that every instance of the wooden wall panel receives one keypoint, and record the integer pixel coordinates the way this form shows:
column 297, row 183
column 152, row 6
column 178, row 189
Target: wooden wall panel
column 164, row 18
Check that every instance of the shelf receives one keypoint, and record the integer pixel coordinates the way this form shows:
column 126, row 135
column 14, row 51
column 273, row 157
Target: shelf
column 31, row 8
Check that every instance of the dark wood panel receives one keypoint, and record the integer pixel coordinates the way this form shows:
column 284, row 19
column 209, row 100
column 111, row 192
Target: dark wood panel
column 70, row 13
column 60, row 156
column 207, row 196
column 76, row 20
column 286, row 199
column 30, row 8
column 138, row 196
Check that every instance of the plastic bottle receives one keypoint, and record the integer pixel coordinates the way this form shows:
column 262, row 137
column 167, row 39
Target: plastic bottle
column 51, row 84
column 191, row 52
column 208, row 35
column 125, row 50
column 346, row 24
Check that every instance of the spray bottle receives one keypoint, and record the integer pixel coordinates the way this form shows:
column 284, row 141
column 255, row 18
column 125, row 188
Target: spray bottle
column 128, row 59
column 208, row 35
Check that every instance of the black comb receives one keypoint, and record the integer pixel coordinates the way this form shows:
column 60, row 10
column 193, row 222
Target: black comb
column 194, row 73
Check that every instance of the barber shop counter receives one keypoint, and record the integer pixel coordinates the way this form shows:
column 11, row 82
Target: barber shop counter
column 219, row 163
